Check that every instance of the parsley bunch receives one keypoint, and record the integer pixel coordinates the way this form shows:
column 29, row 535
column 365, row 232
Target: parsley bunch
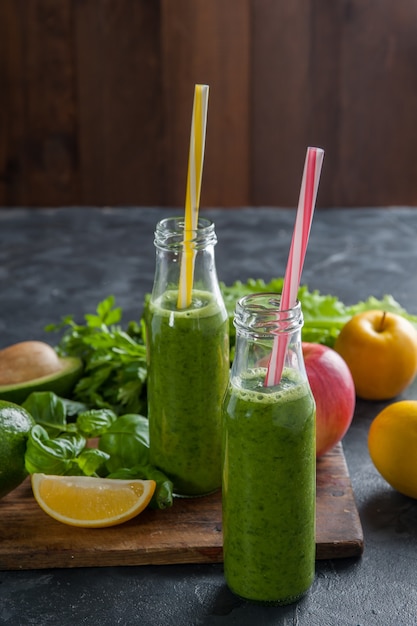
column 114, row 359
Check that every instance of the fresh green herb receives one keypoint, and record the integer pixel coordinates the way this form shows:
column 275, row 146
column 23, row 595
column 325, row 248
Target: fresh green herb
column 65, row 454
column 126, row 442
column 58, row 446
column 49, row 410
column 114, row 359
column 95, row 422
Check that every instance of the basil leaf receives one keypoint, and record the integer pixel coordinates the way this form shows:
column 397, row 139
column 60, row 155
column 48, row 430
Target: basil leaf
column 47, row 409
column 127, row 442
column 52, row 456
column 91, row 460
column 95, row 422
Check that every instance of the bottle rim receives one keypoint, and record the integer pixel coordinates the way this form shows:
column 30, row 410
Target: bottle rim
column 260, row 314
column 169, row 233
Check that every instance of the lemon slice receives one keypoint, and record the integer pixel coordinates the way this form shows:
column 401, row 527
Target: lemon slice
column 91, row 502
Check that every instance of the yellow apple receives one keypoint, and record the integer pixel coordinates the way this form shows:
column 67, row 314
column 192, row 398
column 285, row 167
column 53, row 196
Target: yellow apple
column 380, row 349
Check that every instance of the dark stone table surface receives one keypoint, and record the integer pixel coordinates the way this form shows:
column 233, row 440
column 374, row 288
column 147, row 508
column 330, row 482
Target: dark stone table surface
column 59, row 261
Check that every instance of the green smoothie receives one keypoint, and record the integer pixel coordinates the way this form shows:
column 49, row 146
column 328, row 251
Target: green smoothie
column 188, row 373
column 269, row 488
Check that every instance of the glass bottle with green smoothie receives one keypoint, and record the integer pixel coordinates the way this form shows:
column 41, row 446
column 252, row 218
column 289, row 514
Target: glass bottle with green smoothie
column 268, row 457
column 188, row 362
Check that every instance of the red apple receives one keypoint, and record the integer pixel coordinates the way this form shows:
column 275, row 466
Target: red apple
column 334, row 392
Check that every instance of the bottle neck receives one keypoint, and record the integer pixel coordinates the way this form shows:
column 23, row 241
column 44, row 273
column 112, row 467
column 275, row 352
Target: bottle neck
column 259, row 322
column 171, row 243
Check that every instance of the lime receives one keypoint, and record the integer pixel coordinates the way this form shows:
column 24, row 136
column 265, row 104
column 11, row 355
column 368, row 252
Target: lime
column 15, row 424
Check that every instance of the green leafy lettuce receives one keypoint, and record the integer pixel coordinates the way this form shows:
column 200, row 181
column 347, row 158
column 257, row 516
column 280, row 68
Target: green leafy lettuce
column 324, row 315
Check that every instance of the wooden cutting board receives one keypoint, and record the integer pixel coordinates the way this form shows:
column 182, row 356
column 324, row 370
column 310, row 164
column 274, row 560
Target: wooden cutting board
column 189, row 532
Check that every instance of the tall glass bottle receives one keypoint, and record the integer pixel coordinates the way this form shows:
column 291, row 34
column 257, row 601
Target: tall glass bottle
column 268, row 460
column 188, row 362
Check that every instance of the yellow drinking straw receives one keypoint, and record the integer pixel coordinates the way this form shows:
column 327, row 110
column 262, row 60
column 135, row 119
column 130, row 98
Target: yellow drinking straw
column 192, row 196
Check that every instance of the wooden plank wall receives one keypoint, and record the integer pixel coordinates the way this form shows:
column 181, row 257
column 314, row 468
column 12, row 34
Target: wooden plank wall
column 96, row 99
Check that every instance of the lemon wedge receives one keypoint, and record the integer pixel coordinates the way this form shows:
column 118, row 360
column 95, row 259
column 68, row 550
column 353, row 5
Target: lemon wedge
column 91, row 502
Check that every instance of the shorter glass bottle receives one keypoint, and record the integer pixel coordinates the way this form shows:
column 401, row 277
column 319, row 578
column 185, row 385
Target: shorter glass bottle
column 188, row 362
column 269, row 461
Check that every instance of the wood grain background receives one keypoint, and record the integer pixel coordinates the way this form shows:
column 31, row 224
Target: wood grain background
column 96, row 99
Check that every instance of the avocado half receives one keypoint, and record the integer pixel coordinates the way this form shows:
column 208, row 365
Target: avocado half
column 62, row 382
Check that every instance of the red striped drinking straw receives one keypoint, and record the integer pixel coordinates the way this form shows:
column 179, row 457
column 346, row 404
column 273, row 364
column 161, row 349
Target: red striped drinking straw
column 299, row 242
